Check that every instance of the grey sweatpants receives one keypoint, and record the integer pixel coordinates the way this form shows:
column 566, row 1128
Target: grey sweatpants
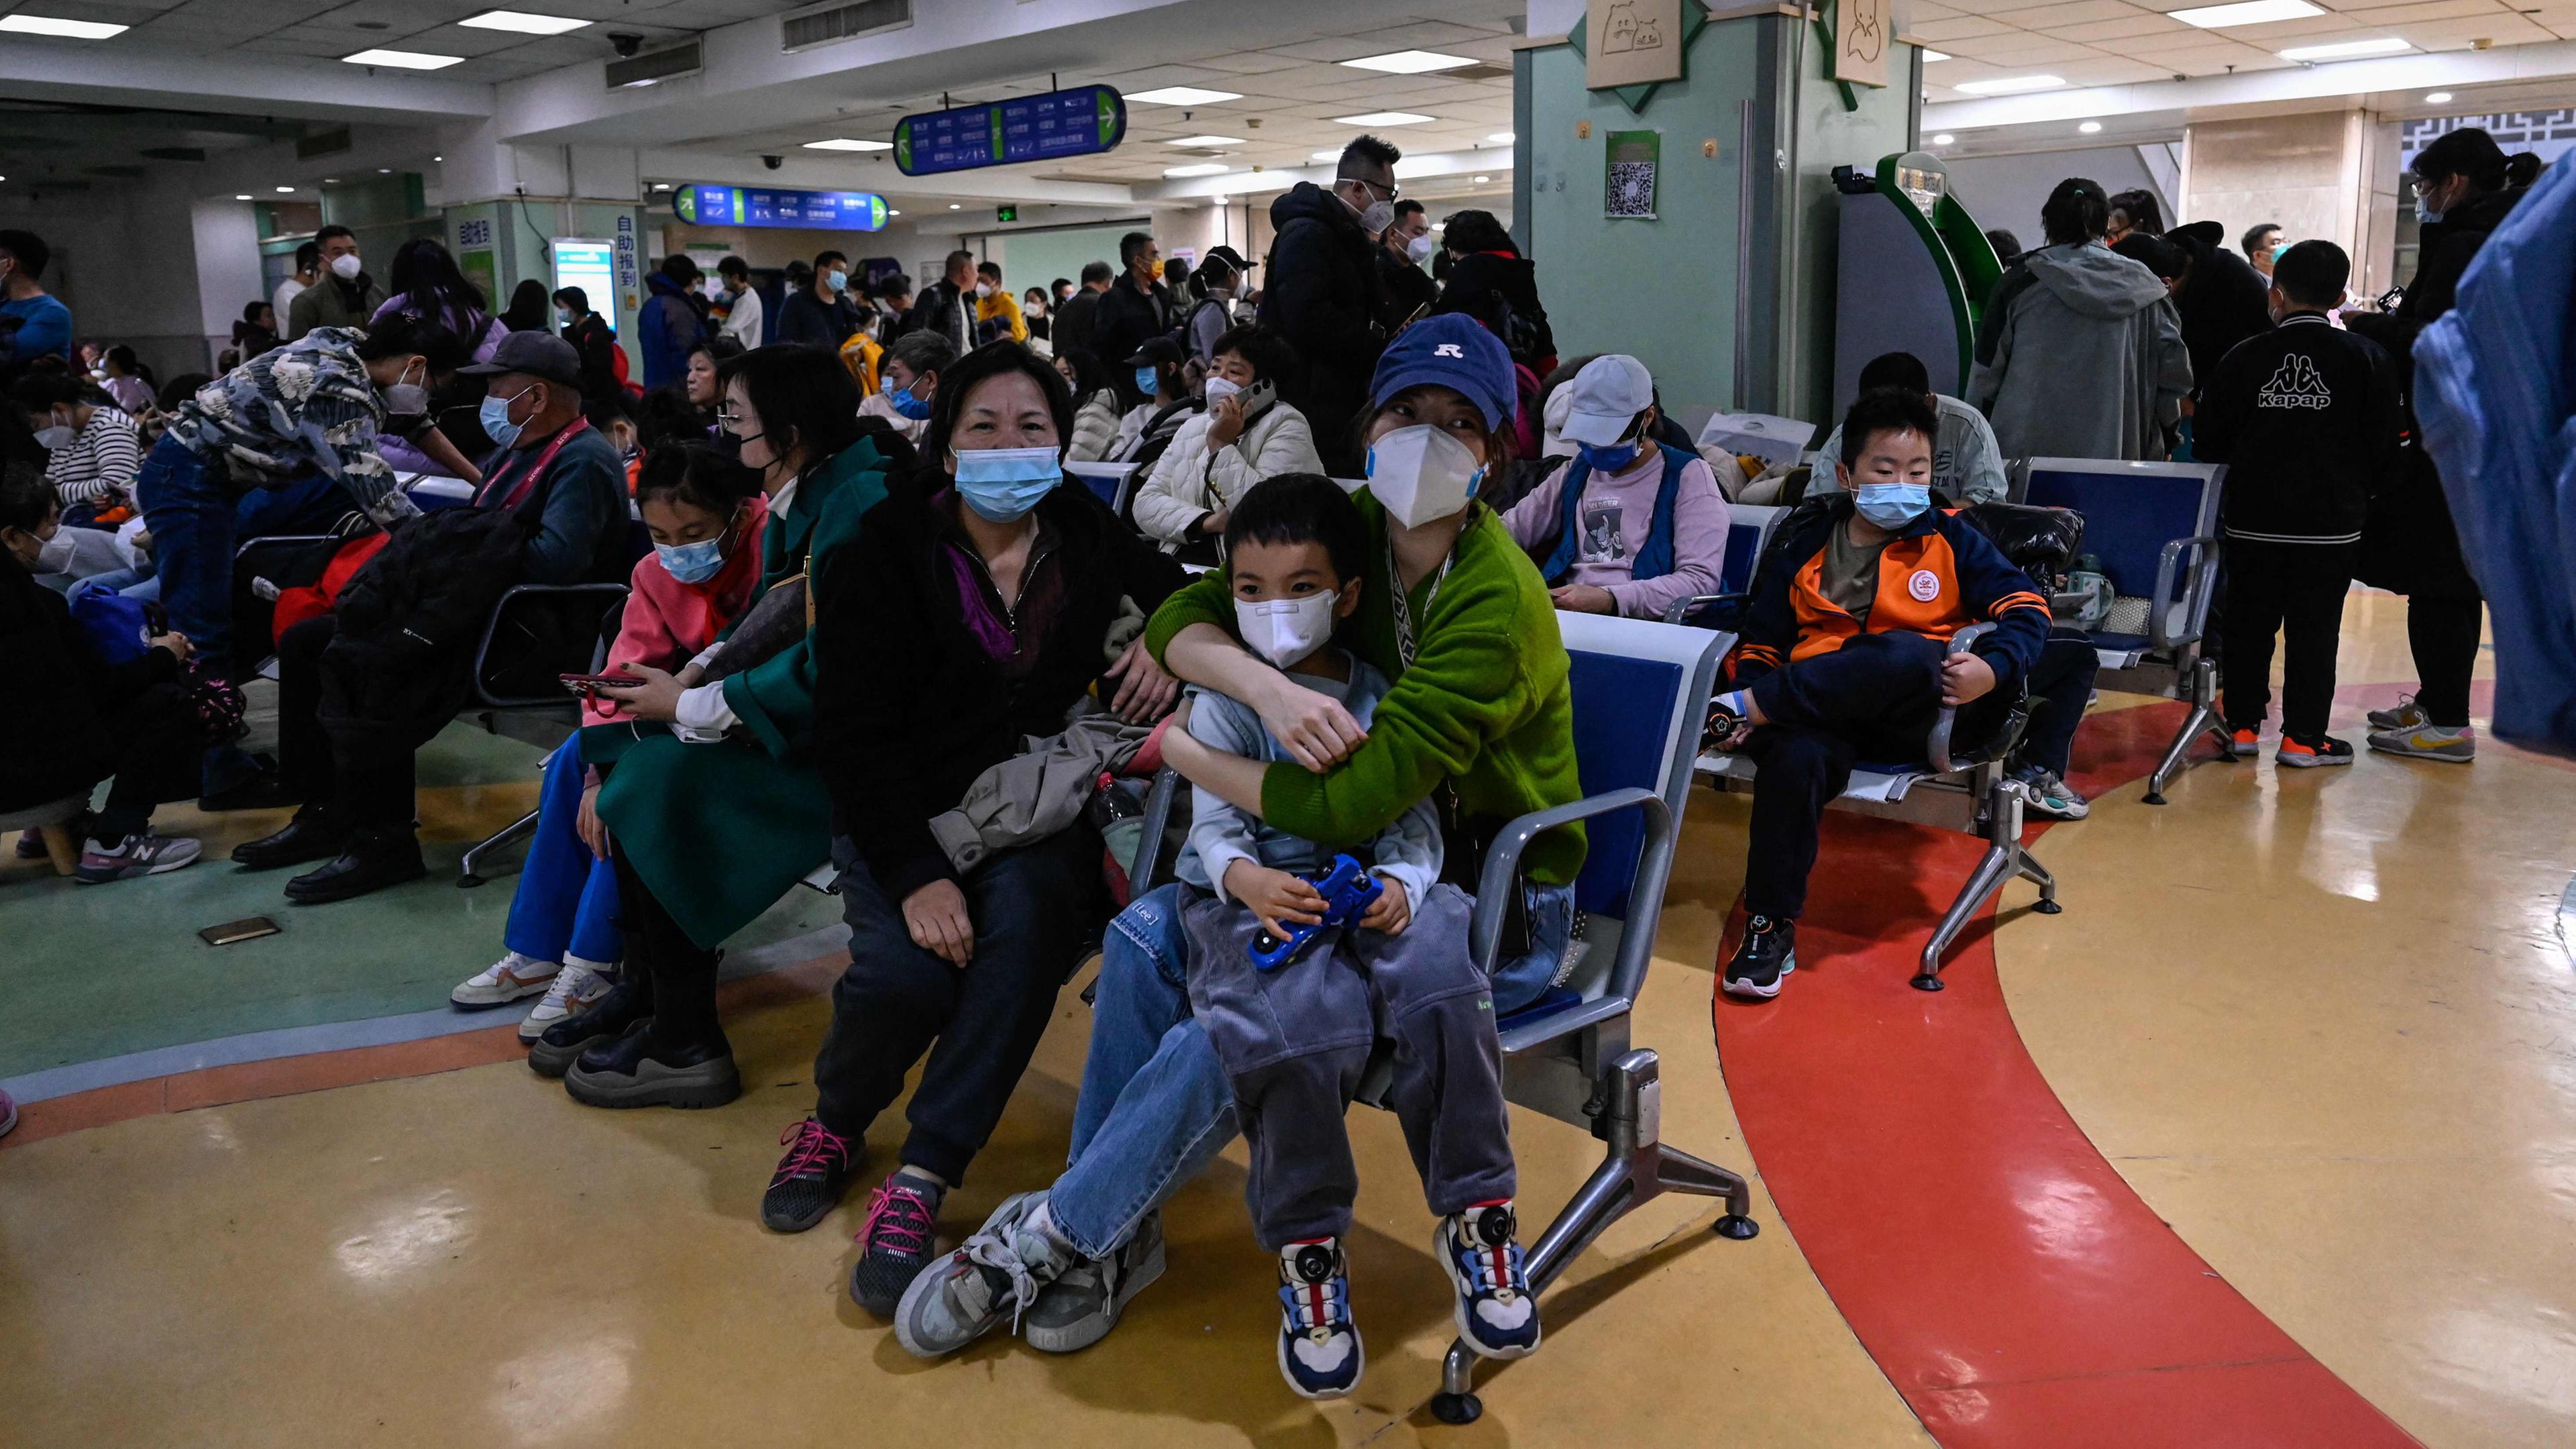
column 1296, row 1041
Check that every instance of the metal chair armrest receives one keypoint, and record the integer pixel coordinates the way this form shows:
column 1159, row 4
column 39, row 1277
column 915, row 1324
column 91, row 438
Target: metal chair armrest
column 1158, row 819
column 492, row 625
column 1936, row 746
column 2197, row 582
column 1645, row 893
column 1681, row 610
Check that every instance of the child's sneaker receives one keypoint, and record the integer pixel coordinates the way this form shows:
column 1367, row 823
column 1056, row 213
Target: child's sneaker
column 2326, row 751
column 1319, row 1346
column 574, row 988
column 1768, row 952
column 2051, row 796
column 2241, row 745
column 2425, row 742
column 144, row 854
column 2408, row 715
column 896, row 1241
column 810, row 1178
column 995, row 1275
column 513, row 977
column 1497, row 1313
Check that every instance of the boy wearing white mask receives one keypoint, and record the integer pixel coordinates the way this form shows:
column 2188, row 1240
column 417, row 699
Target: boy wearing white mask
column 1843, row 655
column 1295, row 1039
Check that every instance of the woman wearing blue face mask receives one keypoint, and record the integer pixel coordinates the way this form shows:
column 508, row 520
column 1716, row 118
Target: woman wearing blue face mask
column 908, row 382
column 1630, row 525
column 979, row 607
column 706, row 515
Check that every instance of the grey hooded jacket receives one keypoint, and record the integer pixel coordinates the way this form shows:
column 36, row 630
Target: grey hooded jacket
column 2080, row 355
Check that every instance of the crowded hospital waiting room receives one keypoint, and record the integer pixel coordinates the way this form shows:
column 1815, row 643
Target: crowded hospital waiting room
column 1169, row 722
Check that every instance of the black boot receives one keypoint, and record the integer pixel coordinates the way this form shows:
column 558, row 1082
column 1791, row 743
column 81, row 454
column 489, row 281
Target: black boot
column 634, row 1071
column 312, row 835
column 377, row 857
column 623, row 1011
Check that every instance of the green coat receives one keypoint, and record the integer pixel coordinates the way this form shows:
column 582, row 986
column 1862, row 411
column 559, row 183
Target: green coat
column 719, row 832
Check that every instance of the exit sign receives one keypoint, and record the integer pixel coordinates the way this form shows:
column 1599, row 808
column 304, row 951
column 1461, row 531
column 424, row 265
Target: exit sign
column 1006, row 213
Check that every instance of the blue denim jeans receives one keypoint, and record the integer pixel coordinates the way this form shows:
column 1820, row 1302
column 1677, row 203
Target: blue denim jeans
column 1155, row 1107
column 195, row 521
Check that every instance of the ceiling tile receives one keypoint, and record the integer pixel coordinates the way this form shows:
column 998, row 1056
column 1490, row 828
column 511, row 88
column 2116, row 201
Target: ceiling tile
column 2102, row 30
column 1962, row 29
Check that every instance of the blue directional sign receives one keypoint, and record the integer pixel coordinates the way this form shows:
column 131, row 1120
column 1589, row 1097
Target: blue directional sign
column 1084, row 121
column 769, row 206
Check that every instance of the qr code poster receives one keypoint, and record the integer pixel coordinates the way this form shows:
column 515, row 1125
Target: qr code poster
column 1631, row 190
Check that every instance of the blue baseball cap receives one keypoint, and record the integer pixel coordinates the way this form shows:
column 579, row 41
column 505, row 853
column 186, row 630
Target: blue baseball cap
column 1450, row 350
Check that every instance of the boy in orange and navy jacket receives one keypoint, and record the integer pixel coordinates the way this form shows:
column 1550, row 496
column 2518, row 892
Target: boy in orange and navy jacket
column 1842, row 655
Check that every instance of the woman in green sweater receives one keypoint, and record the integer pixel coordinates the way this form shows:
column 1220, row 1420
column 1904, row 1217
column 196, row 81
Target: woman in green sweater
column 722, row 773
column 1457, row 616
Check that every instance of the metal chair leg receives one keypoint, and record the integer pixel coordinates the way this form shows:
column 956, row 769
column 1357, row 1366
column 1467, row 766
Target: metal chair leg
column 2203, row 716
column 1991, row 872
column 1637, row 1167
column 468, row 874
column 2031, row 870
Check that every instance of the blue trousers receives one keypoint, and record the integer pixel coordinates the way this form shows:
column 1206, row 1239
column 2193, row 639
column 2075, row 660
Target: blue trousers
column 195, row 522
column 1156, row 1108
column 567, row 898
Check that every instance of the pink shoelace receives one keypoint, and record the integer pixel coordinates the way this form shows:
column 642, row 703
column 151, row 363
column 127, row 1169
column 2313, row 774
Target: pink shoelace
column 809, row 1145
column 905, row 1217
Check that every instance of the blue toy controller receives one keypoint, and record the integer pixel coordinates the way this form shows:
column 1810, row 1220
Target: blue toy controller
column 1348, row 891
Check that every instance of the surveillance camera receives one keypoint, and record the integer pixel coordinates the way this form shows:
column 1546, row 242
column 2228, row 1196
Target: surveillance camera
column 626, row 42
column 773, row 162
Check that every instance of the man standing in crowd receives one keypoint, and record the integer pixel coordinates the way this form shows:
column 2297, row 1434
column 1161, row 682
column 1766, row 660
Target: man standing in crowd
column 2079, row 354
column 348, row 297
column 1322, row 292
column 894, row 305
column 820, row 315
column 673, row 321
column 2222, row 301
column 947, row 306
column 742, row 303
column 1408, row 243
column 1136, row 309
column 33, row 322
column 1212, row 316
column 1076, row 316
column 308, row 270
column 591, row 341
column 2260, row 239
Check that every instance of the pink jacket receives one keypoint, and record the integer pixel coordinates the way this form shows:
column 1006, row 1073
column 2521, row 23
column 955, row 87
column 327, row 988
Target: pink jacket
column 668, row 622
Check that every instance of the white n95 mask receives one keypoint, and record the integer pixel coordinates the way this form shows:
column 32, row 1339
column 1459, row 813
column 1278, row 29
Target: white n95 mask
column 1284, row 631
column 1421, row 473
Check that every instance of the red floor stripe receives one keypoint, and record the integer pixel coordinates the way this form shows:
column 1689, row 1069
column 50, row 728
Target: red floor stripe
column 2004, row 1276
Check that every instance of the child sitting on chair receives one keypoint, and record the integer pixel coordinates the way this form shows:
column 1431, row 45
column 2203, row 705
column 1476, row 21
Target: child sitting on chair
column 1844, row 656
column 1295, row 1039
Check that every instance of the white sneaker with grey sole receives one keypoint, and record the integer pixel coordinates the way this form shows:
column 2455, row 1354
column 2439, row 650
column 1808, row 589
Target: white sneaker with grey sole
column 575, row 988
column 512, row 978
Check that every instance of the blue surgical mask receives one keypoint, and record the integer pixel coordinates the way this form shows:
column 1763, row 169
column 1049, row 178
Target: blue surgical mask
column 1606, row 460
column 692, row 563
column 495, row 417
column 902, row 401
column 836, row 280
column 1003, row 484
column 1892, row 505
column 1148, row 381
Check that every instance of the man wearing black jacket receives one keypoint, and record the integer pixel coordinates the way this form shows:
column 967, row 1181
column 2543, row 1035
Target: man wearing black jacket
column 1075, row 316
column 1135, row 310
column 1321, row 291
column 2307, row 419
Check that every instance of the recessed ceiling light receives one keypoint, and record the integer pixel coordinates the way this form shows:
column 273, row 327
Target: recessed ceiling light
column 1218, row 199
column 1944, row 139
column 1935, row 57
column 956, row 206
column 2345, row 50
column 890, row 211
column 403, row 59
column 2251, row 12
column 1481, row 180
column 1334, row 155
column 286, row 188
column 1182, row 96
column 66, row 29
column 437, row 158
column 2090, row 127
column 1410, row 62
column 661, row 186
column 522, row 22
column 1384, row 118
column 2437, row 98
column 2010, row 85
column 1500, row 138
column 1206, row 141
column 838, row 143
column 1200, row 168
column 330, row 180
column 384, row 171
column 245, row 196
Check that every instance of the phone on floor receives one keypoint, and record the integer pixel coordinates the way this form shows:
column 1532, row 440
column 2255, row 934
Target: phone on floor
column 233, row 931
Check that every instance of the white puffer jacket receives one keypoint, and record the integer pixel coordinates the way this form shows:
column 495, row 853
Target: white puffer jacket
column 1189, row 481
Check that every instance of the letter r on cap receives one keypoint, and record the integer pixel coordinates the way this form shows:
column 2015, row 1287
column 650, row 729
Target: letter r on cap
column 1449, row 349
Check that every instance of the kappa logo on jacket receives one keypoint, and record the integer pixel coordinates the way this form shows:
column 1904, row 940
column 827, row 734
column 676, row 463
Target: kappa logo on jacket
column 2295, row 384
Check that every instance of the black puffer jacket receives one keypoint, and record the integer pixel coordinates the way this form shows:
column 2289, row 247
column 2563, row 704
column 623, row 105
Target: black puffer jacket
column 1126, row 319
column 1501, row 291
column 1320, row 291
column 53, row 734
column 399, row 666
column 2224, row 302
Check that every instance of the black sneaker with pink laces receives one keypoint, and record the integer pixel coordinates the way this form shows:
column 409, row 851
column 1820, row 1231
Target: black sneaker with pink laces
column 810, row 1178
column 896, row 1242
